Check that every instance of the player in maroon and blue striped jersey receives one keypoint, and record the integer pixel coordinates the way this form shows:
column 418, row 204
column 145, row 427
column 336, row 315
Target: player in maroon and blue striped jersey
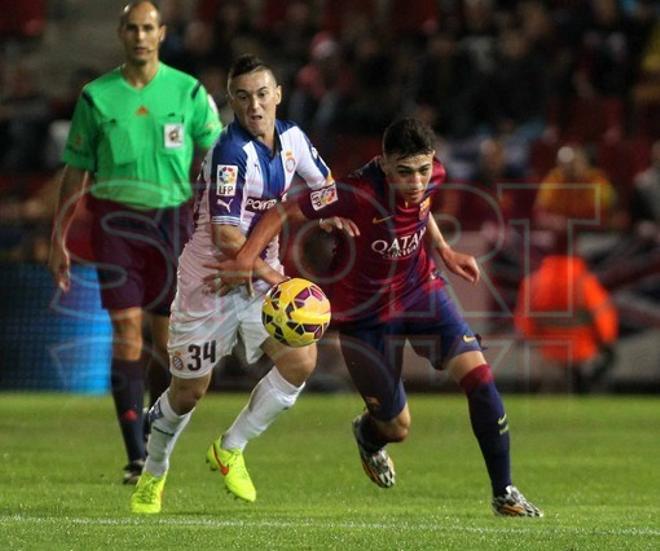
column 388, row 292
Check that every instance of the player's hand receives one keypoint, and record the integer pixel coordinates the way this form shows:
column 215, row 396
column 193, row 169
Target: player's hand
column 59, row 266
column 215, row 286
column 229, row 274
column 464, row 265
column 341, row 224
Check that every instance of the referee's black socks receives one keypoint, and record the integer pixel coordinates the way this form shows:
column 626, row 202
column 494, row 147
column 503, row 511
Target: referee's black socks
column 127, row 383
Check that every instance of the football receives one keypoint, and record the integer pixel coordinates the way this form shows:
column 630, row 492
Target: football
column 296, row 312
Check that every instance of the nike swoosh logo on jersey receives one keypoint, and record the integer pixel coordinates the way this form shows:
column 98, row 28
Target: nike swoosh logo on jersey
column 468, row 339
column 376, row 220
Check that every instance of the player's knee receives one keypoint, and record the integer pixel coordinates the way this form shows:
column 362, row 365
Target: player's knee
column 308, row 365
column 125, row 348
column 298, row 366
column 126, row 338
column 185, row 401
column 296, row 375
column 184, row 395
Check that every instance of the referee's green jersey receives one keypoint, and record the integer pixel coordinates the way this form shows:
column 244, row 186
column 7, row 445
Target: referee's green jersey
column 139, row 143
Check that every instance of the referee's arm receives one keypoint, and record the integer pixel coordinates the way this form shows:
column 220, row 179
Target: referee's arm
column 71, row 189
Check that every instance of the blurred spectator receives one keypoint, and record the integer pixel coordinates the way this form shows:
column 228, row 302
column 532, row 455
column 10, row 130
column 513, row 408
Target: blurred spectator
column 647, row 91
column 173, row 47
column 646, row 198
column 375, row 96
column 22, row 19
column 25, row 217
column 412, row 18
column 24, row 117
column 62, row 111
column 338, row 15
column 537, row 27
column 200, row 48
column 479, row 36
column 643, row 19
column 233, row 32
column 574, row 190
column 479, row 202
column 567, row 313
column 517, row 90
column 442, row 84
column 496, row 165
column 320, row 88
column 604, row 65
column 289, row 37
column 214, row 79
column 62, row 106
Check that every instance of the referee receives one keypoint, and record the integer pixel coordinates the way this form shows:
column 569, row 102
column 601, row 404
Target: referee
column 134, row 133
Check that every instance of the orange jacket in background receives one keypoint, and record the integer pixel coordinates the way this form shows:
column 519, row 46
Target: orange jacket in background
column 592, row 196
column 566, row 310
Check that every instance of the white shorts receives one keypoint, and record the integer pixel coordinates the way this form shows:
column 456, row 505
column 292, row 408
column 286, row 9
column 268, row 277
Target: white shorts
column 204, row 327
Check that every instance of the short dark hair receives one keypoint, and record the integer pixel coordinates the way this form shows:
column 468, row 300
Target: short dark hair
column 408, row 137
column 248, row 63
column 128, row 8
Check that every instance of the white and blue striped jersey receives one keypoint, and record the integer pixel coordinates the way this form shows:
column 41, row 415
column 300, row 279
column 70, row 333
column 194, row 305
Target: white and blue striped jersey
column 242, row 179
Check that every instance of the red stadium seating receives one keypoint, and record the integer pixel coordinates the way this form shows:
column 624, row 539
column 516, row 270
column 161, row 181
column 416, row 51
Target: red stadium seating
column 589, row 119
column 334, row 12
column 622, row 160
column 646, row 120
column 22, row 18
column 353, row 152
column 543, row 156
column 413, row 16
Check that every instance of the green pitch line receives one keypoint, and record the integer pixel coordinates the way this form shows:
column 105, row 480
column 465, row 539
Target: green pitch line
column 591, row 464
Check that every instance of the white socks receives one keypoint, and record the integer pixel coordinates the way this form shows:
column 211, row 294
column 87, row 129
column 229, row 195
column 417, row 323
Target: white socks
column 272, row 395
column 166, row 427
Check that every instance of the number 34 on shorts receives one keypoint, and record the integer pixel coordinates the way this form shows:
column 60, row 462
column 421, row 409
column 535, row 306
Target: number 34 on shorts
column 194, row 358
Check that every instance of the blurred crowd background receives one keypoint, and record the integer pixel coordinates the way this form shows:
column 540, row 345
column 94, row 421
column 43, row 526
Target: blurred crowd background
column 525, row 93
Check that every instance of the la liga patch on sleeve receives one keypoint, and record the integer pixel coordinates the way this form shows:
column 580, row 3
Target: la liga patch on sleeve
column 226, row 178
column 323, row 197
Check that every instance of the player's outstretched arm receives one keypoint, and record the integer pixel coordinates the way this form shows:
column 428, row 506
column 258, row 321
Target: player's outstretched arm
column 229, row 241
column 59, row 261
column 241, row 265
column 464, row 265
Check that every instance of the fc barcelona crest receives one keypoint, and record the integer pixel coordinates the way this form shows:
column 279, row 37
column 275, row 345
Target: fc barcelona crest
column 424, row 208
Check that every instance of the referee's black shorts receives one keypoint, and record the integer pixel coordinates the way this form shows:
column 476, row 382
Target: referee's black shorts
column 136, row 253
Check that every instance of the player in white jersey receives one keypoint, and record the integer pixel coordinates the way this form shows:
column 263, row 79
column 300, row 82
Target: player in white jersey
column 250, row 168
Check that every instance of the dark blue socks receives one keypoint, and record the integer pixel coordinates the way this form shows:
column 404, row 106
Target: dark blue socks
column 490, row 425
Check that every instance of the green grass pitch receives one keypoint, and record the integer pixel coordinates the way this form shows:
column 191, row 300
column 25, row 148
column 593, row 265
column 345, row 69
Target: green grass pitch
column 592, row 464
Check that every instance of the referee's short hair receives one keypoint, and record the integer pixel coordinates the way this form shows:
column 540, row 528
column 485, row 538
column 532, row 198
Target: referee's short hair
column 128, row 8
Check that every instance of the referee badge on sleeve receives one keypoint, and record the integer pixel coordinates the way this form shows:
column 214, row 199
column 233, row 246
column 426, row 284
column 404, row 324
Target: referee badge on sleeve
column 173, row 135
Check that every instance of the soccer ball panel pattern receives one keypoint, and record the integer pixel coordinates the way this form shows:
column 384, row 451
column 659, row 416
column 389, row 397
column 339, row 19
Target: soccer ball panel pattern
column 296, row 312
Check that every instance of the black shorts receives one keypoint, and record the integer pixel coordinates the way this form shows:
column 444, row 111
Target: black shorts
column 373, row 349
column 136, row 254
